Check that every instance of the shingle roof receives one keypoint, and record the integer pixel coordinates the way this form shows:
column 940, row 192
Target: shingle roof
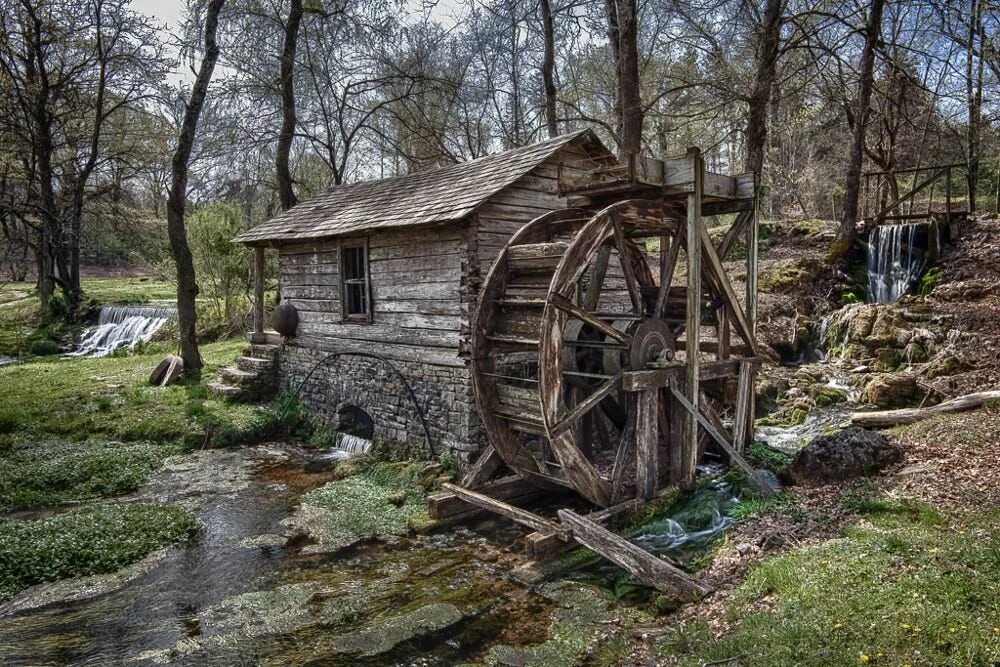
column 442, row 195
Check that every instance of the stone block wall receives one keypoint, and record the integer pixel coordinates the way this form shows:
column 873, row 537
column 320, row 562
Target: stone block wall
column 444, row 394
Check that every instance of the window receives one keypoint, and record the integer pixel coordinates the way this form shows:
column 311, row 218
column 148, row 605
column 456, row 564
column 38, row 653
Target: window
column 355, row 299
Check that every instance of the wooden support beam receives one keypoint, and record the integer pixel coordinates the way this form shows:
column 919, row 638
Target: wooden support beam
column 757, row 481
column 695, row 227
column 259, row 270
column 539, row 546
column 662, row 377
column 484, row 467
column 647, row 437
column 744, row 418
column 513, row 513
column 753, row 232
column 644, row 566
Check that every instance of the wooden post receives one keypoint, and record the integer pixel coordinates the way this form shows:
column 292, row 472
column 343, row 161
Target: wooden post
column 259, row 269
column 753, row 234
column 689, row 457
column 647, row 438
column 744, row 418
column 723, row 334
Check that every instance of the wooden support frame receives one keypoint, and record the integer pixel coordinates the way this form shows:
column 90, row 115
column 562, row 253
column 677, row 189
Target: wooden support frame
column 259, row 271
column 689, row 446
column 760, row 484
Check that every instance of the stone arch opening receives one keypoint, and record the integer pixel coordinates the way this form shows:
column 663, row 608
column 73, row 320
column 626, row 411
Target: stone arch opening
column 354, row 420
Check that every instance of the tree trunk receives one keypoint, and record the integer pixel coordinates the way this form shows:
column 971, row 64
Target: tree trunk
column 548, row 68
column 187, row 287
column 974, row 99
column 628, row 77
column 614, row 40
column 760, row 97
column 286, row 193
column 852, row 185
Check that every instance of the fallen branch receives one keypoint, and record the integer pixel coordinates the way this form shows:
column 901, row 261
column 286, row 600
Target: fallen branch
column 888, row 418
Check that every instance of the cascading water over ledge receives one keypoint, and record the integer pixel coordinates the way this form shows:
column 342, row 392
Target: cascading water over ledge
column 896, row 259
column 122, row 327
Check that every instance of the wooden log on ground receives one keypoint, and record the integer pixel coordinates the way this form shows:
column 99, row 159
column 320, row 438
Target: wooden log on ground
column 513, row 513
column 540, row 545
column 644, row 566
column 446, row 505
column 887, row 418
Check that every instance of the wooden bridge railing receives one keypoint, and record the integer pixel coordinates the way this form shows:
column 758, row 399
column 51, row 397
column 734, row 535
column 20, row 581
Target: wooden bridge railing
column 931, row 191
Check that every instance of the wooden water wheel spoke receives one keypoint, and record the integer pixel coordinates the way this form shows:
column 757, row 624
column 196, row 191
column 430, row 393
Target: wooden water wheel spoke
column 625, row 260
column 587, row 404
column 570, row 308
column 668, row 262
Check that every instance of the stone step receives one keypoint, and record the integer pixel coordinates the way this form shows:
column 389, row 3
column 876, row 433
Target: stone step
column 224, row 390
column 261, row 351
column 254, row 364
column 237, row 377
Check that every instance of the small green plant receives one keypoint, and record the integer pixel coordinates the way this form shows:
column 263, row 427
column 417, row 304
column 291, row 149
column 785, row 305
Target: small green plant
column 92, row 540
column 44, row 347
column 929, row 281
column 762, row 456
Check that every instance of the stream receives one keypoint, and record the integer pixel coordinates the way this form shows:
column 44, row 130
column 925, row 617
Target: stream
column 241, row 593
column 238, row 594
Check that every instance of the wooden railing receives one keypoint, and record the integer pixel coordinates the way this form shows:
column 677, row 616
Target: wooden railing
column 931, row 191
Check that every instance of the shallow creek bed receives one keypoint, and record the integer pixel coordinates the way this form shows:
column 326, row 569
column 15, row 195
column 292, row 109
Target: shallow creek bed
column 250, row 588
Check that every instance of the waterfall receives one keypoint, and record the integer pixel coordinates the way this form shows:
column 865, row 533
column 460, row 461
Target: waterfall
column 121, row 327
column 894, row 264
column 353, row 444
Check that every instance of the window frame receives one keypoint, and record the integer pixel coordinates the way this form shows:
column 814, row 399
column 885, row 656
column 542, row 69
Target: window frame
column 365, row 282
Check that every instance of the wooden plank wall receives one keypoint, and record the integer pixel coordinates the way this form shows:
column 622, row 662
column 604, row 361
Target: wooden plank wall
column 416, row 278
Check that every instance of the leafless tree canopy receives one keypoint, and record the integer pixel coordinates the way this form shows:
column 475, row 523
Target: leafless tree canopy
column 309, row 94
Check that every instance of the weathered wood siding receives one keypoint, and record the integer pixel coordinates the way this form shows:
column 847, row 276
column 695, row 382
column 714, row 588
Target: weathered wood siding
column 416, row 284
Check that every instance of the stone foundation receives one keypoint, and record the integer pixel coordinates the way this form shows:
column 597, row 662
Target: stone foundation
column 444, row 394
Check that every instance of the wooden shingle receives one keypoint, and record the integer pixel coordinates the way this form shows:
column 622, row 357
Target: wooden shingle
column 442, row 195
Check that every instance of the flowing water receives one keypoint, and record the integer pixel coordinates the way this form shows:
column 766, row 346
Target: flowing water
column 240, row 593
column 894, row 261
column 122, row 327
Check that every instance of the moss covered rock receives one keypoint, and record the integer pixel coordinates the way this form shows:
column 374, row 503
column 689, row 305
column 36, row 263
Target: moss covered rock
column 892, row 390
column 789, row 274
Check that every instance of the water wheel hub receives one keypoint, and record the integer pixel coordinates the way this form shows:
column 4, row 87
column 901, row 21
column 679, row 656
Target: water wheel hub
column 652, row 344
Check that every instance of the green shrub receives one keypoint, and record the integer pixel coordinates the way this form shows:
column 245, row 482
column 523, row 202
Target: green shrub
column 44, row 347
column 92, row 540
column 762, row 456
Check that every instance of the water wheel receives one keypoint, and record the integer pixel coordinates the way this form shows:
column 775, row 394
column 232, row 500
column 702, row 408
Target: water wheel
column 571, row 309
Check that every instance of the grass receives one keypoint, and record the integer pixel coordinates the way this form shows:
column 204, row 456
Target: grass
column 128, row 290
column 92, row 540
column 903, row 588
column 375, row 502
column 109, row 398
column 52, row 473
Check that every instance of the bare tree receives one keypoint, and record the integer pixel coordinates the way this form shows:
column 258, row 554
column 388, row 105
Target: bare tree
column 187, row 285
column 852, row 183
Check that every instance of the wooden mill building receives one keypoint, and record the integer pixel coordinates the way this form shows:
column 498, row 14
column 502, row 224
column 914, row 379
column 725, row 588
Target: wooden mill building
column 393, row 267
column 430, row 309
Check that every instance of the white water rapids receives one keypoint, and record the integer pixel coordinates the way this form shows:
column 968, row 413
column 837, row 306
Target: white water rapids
column 894, row 264
column 122, row 327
